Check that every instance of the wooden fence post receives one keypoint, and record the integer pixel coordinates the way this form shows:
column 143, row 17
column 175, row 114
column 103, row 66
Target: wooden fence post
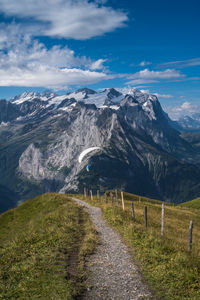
column 190, row 236
column 122, row 195
column 85, row 193
column 162, row 219
column 133, row 211
column 98, row 196
column 116, row 196
column 106, row 198
column 91, row 196
column 145, row 216
column 111, row 196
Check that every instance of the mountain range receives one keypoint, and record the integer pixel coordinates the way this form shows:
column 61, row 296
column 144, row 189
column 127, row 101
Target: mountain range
column 43, row 134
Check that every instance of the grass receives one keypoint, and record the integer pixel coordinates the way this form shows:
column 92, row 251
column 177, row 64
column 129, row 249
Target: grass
column 170, row 270
column 43, row 244
column 192, row 204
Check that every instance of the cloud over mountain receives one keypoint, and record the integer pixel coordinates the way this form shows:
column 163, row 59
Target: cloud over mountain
column 27, row 62
column 147, row 76
column 185, row 109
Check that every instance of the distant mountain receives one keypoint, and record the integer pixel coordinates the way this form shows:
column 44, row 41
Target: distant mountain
column 42, row 136
column 190, row 123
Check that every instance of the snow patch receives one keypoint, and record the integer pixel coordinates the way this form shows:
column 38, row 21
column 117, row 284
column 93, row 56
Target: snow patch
column 147, row 107
column 77, row 96
column 57, row 100
column 115, row 107
column 4, row 124
column 25, row 97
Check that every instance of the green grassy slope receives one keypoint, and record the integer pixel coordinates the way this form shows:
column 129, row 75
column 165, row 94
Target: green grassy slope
column 168, row 267
column 192, row 204
column 42, row 247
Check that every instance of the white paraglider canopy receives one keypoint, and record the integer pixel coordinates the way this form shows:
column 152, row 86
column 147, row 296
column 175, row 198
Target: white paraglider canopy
column 86, row 151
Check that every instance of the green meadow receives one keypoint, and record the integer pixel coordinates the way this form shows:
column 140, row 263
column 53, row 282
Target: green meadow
column 43, row 244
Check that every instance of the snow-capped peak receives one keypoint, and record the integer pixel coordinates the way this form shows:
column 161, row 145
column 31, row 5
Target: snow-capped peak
column 99, row 99
column 112, row 98
column 125, row 91
column 26, row 96
column 140, row 95
column 30, row 96
column 47, row 95
column 81, row 94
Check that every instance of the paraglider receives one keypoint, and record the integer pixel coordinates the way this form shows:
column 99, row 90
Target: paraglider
column 86, row 151
column 88, row 168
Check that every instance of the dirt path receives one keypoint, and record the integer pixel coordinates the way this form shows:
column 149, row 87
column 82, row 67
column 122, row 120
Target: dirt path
column 113, row 275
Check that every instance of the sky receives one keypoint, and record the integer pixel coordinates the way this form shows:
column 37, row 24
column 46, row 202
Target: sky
column 62, row 45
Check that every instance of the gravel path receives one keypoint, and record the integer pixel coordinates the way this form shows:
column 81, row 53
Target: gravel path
column 113, row 275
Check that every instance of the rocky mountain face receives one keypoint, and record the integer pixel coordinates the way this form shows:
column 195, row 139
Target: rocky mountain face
column 42, row 136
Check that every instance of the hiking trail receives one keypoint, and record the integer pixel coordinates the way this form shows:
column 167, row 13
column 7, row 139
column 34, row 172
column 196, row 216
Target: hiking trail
column 112, row 273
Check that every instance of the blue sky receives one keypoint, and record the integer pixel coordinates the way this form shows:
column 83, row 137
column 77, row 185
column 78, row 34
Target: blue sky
column 63, row 45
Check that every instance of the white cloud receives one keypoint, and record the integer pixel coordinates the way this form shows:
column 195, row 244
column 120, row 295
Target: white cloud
column 98, row 64
column 164, row 96
column 185, row 109
column 186, row 106
column 25, row 52
column 26, row 62
column 141, row 81
column 147, row 74
column 48, row 77
column 144, row 63
column 183, row 63
column 76, row 19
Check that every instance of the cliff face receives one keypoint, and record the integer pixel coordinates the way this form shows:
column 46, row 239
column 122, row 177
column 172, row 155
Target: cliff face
column 139, row 151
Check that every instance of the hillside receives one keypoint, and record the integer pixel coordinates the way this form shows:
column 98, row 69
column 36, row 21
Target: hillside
column 192, row 204
column 43, row 243
column 42, row 247
column 165, row 262
column 193, row 138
